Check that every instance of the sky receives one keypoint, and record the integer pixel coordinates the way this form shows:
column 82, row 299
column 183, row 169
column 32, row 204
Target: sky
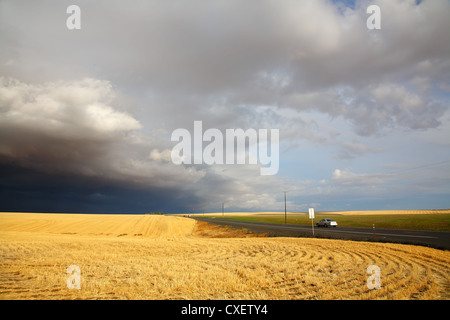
column 87, row 115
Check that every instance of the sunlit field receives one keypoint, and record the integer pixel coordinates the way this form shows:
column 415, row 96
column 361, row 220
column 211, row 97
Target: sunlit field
column 436, row 220
column 171, row 257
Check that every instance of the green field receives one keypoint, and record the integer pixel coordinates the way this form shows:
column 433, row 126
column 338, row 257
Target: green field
column 435, row 222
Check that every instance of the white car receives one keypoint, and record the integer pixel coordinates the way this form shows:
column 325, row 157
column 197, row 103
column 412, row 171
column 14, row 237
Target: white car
column 326, row 223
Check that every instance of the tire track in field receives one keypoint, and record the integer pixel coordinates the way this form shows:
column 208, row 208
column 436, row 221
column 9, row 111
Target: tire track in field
column 319, row 273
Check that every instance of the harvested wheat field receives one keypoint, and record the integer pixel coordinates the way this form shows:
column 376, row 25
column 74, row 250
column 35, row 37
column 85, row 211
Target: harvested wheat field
column 167, row 257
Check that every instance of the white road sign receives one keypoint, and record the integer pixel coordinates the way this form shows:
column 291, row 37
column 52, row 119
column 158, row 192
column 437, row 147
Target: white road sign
column 311, row 213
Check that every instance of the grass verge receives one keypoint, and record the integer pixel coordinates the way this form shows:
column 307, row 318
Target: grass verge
column 432, row 222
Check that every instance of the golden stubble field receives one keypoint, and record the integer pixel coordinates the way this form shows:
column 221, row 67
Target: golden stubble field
column 169, row 257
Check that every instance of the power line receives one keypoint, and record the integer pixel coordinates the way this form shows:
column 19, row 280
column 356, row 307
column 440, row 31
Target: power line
column 433, row 164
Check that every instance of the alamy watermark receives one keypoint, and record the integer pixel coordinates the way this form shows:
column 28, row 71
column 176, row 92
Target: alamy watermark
column 374, row 281
column 190, row 149
column 73, row 22
column 374, row 20
column 74, row 280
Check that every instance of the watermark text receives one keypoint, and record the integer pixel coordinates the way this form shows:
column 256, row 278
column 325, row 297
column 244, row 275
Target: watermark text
column 230, row 148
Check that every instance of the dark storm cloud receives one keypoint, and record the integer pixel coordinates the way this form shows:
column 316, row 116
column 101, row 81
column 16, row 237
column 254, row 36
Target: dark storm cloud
column 63, row 139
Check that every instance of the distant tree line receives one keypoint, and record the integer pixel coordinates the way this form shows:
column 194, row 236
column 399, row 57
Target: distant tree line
column 156, row 212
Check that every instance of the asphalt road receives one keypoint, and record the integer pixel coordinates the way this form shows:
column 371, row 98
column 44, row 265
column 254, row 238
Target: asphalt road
column 434, row 239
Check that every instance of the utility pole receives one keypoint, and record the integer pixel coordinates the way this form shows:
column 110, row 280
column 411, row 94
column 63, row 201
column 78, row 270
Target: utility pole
column 222, row 207
column 311, row 216
column 285, row 213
